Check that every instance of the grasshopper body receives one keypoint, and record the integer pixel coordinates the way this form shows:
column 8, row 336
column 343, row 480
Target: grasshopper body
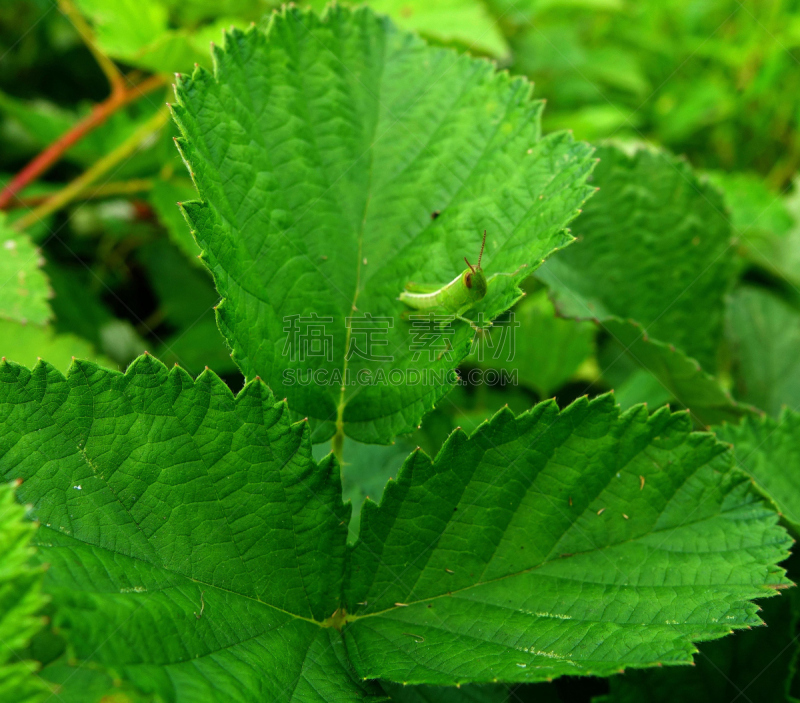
column 456, row 297
column 460, row 294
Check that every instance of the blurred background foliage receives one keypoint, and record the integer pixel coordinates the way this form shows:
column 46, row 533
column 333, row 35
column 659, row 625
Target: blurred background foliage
column 714, row 82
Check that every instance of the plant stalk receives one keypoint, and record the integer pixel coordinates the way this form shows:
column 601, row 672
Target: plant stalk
column 131, row 187
column 55, row 151
column 337, row 446
column 104, row 165
column 115, row 79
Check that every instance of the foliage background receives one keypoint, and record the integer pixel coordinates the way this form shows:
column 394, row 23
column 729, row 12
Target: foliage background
column 715, row 82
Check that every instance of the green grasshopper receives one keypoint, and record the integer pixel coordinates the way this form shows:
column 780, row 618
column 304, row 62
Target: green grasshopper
column 454, row 298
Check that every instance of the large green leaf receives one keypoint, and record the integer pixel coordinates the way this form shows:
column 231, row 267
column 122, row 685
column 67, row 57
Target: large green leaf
column 320, row 150
column 655, row 248
column 20, row 600
column 769, row 451
column 24, row 289
column 573, row 542
column 193, row 526
column 764, row 333
column 197, row 528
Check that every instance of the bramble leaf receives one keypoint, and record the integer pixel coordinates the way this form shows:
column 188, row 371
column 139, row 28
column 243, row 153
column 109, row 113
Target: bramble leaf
column 572, row 542
column 764, row 333
column 192, row 525
column 198, row 529
column 24, row 289
column 323, row 151
column 769, row 450
column 655, row 247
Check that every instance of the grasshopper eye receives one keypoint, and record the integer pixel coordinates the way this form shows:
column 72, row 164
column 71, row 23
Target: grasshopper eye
column 468, row 280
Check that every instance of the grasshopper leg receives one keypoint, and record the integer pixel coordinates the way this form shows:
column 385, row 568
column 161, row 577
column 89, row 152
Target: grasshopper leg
column 495, row 275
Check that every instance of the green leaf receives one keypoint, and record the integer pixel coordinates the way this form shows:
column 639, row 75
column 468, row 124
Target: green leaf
column 465, row 23
column 24, row 289
column 137, row 32
column 197, row 527
column 753, row 666
column 764, row 333
column 769, row 451
column 26, row 344
column 545, row 350
column 320, row 150
column 148, row 19
column 20, row 600
column 654, row 247
column 677, row 374
column 573, row 542
column 194, row 526
column 141, row 33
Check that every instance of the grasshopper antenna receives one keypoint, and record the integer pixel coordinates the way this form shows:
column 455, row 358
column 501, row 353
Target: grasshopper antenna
column 480, row 256
column 483, row 244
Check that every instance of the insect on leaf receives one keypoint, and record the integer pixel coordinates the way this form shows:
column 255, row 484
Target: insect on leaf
column 320, row 150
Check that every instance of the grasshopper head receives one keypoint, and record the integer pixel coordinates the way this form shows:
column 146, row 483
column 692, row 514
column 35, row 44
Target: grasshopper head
column 474, row 278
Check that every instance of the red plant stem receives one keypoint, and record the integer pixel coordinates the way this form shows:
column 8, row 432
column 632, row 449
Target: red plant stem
column 55, row 151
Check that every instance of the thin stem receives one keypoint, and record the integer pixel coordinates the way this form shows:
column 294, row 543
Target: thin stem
column 131, row 187
column 104, row 165
column 337, row 445
column 56, row 150
column 115, row 78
